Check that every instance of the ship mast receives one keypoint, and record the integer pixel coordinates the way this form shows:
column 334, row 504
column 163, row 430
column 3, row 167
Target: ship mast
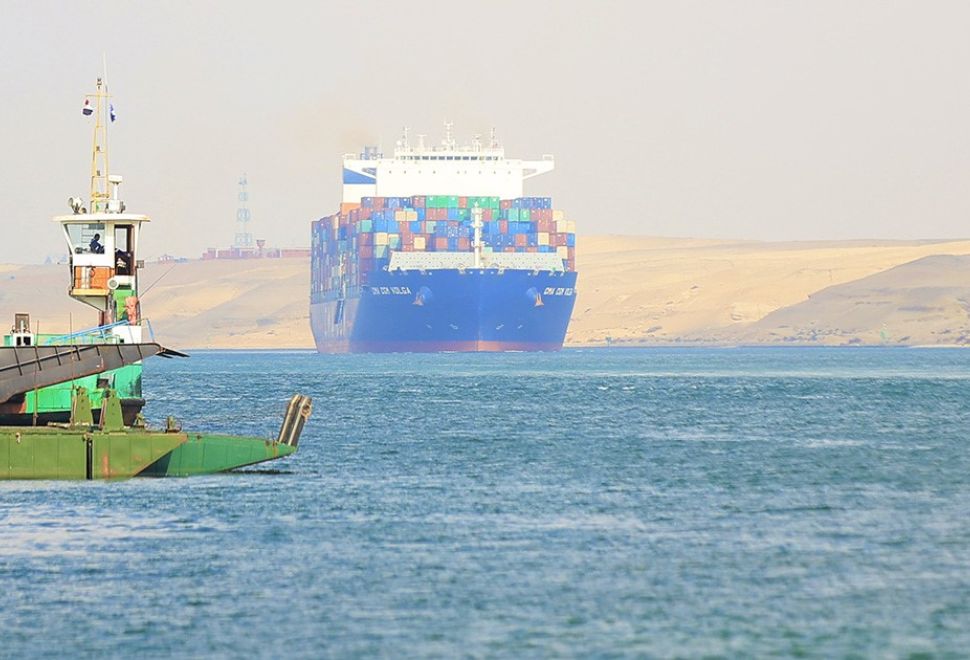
column 477, row 244
column 99, row 151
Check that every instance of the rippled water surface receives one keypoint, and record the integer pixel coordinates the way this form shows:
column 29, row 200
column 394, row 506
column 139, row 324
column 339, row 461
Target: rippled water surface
column 626, row 502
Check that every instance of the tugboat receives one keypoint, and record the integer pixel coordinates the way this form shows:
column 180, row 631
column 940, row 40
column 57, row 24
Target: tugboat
column 87, row 385
column 102, row 241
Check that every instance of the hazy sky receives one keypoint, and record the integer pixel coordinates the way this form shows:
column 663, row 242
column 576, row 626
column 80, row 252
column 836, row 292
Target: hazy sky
column 747, row 119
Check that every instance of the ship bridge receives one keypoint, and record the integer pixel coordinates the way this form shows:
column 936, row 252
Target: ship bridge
column 415, row 168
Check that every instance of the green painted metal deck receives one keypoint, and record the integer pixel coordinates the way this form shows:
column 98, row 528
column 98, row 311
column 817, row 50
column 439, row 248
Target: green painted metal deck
column 56, row 453
column 207, row 454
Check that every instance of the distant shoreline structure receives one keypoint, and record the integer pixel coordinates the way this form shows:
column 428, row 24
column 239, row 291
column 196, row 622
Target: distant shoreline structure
column 258, row 252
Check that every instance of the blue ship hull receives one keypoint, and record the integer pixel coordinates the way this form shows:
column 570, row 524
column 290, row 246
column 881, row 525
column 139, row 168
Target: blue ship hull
column 447, row 310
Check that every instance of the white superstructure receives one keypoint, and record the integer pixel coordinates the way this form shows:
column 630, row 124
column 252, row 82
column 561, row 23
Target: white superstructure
column 446, row 169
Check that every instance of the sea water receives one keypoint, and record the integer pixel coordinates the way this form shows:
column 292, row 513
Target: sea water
column 727, row 502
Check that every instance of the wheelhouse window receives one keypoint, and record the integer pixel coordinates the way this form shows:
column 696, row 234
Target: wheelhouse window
column 87, row 238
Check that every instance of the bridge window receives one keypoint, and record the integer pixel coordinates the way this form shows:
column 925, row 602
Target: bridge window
column 82, row 236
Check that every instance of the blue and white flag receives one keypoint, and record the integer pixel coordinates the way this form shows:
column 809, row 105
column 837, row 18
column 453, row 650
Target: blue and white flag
column 111, row 111
column 87, row 109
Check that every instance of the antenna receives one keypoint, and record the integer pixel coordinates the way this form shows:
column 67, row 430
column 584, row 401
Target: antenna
column 449, row 141
column 99, row 150
column 243, row 238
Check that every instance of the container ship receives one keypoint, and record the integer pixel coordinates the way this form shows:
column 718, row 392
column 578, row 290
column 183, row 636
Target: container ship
column 437, row 249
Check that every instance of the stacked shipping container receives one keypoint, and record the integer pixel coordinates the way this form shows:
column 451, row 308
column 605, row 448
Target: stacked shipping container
column 358, row 240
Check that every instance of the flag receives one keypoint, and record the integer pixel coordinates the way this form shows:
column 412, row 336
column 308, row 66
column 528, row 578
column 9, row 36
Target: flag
column 87, row 109
column 111, row 111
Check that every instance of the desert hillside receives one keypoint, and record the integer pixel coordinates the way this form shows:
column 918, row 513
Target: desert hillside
column 632, row 290
column 651, row 290
column 926, row 302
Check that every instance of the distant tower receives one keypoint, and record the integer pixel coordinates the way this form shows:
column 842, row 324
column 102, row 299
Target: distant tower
column 244, row 239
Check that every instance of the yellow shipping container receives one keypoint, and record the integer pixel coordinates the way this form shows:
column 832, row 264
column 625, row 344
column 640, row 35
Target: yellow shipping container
column 561, row 226
column 563, row 252
column 400, row 216
column 380, row 238
column 571, row 226
column 543, row 238
column 558, row 215
column 410, row 216
column 420, row 243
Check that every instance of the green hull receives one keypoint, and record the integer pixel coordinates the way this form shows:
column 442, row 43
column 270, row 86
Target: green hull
column 208, row 454
column 53, row 403
column 54, row 453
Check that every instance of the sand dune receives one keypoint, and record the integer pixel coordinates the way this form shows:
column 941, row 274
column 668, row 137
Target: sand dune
column 646, row 290
column 632, row 290
column 926, row 301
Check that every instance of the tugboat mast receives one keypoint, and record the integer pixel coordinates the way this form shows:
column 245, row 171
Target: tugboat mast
column 99, row 150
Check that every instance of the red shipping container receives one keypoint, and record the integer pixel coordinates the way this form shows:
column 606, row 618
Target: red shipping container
column 378, row 202
column 463, row 202
column 418, row 201
column 441, row 243
column 558, row 240
column 521, row 240
column 510, row 249
column 532, row 249
column 486, row 214
column 503, row 226
column 365, row 239
column 464, row 244
column 366, row 251
column 505, row 204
